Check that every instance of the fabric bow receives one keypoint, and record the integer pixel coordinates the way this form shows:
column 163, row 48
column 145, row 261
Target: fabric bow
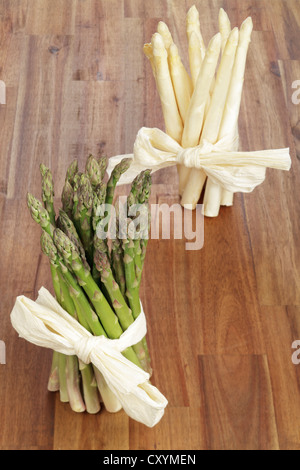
column 234, row 171
column 45, row 323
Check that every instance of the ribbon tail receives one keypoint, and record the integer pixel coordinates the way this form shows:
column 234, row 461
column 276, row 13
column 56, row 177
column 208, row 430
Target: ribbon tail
column 129, row 383
column 146, row 405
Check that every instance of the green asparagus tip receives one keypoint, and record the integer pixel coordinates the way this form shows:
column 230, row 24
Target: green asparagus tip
column 72, row 170
column 100, row 245
column 84, row 197
column 43, row 169
column 102, row 163
column 47, row 186
column 65, row 246
column 48, row 247
column 67, row 197
column 122, row 167
column 101, row 261
column 93, row 170
column 38, row 211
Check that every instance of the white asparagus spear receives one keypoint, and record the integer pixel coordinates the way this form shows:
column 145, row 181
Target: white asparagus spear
column 224, row 27
column 193, row 25
column 233, row 101
column 195, row 116
column 229, row 125
column 211, row 127
column 181, row 90
column 165, row 33
column 173, row 121
column 149, row 54
column 226, row 197
column 195, row 56
column 181, row 81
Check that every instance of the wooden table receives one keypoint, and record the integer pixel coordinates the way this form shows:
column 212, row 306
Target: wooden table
column 221, row 320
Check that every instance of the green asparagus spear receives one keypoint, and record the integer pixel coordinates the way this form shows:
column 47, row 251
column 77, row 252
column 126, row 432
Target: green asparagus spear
column 48, row 191
column 120, row 306
column 72, row 171
column 39, row 214
column 68, row 369
column 105, row 313
column 86, row 316
column 102, row 162
column 65, row 223
column 67, row 198
column 117, row 264
column 91, row 397
column 82, row 215
column 93, row 171
column 114, row 178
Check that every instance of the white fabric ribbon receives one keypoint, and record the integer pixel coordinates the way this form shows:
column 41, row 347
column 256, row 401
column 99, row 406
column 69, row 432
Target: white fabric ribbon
column 45, row 323
column 234, row 171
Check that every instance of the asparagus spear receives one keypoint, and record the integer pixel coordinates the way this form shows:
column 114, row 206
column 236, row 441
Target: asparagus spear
column 117, row 264
column 72, row 171
column 39, row 214
column 91, row 397
column 102, row 162
column 67, row 198
column 82, row 215
column 65, row 223
column 105, row 313
column 48, row 191
column 68, row 370
column 93, row 171
column 195, row 117
column 114, row 178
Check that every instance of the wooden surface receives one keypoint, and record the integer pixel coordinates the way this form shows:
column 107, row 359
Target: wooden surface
column 221, row 321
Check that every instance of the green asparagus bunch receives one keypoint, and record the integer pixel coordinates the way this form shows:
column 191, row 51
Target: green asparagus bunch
column 96, row 276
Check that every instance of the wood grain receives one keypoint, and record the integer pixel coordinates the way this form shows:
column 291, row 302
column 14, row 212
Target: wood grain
column 221, row 320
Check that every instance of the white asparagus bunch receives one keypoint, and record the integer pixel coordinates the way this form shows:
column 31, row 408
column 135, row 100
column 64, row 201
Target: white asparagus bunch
column 202, row 104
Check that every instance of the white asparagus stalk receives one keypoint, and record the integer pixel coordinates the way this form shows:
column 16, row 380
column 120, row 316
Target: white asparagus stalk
column 195, row 56
column 213, row 191
column 165, row 33
column 181, row 81
column 224, row 27
column 233, row 101
column 226, row 197
column 194, row 119
column 182, row 84
column 229, row 125
column 149, row 54
column 173, row 121
column 193, row 25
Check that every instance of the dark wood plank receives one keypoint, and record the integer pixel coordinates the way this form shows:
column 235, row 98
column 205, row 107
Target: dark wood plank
column 238, row 403
column 282, row 328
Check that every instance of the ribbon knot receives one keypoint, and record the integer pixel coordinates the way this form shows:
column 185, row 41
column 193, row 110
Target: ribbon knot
column 222, row 163
column 85, row 345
